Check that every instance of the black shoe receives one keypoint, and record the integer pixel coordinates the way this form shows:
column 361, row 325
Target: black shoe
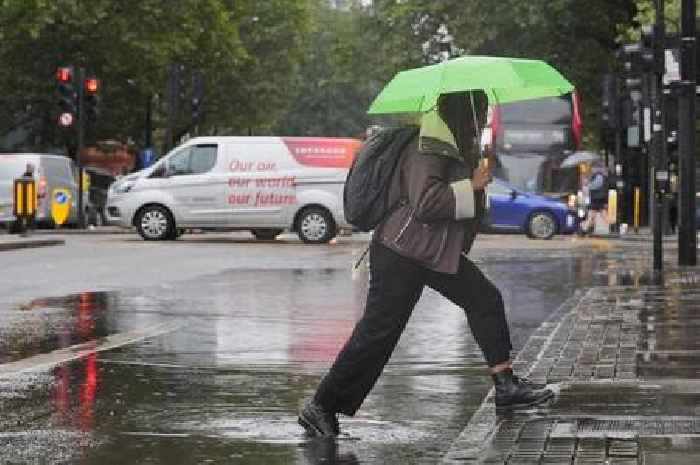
column 317, row 421
column 524, row 381
column 511, row 392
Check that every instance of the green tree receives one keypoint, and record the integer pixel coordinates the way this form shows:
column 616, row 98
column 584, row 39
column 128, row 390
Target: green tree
column 358, row 48
column 239, row 45
column 578, row 38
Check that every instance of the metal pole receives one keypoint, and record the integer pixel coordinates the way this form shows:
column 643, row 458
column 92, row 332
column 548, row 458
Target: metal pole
column 81, row 144
column 619, row 175
column 171, row 96
column 148, row 136
column 660, row 171
column 687, row 241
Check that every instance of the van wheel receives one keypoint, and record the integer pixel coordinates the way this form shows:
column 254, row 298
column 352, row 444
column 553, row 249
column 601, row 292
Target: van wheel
column 541, row 225
column 155, row 223
column 316, row 226
column 266, row 234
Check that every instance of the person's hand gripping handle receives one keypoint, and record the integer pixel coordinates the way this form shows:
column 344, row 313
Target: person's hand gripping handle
column 482, row 175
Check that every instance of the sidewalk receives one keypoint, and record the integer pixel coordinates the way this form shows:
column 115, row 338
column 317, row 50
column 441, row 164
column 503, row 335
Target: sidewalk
column 14, row 242
column 643, row 235
column 624, row 363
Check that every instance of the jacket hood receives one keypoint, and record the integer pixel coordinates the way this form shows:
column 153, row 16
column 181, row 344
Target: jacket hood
column 435, row 137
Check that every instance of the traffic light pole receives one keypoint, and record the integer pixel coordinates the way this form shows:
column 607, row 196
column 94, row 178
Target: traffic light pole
column 81, row 144
column 687, row 240
column 660, row 178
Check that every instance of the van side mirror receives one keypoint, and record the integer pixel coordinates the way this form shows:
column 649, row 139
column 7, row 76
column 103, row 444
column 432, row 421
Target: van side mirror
column 513, row 194
column 160, row 172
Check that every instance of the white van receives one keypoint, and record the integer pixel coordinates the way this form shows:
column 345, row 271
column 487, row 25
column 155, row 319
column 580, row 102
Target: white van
column 262, row 184
column 52, row 172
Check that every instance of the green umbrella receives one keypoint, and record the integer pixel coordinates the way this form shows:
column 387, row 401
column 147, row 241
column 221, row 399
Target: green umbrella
column 503, row 79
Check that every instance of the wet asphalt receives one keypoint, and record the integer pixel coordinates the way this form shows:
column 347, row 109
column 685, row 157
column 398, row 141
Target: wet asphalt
column 212, row 368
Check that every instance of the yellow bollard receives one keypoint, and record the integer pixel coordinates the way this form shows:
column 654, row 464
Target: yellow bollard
column 25, row 203
column 24, row 198
column 637, row 208
column 612, row 206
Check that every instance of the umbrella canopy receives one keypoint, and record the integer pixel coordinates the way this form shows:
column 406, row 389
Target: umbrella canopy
column 503, row 79
column 579, row 158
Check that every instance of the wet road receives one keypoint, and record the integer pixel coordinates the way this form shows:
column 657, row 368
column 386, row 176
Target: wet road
column 211, row 368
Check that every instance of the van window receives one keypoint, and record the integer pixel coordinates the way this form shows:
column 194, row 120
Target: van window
column 192, row 160
column 179, row 162
column 203, row 158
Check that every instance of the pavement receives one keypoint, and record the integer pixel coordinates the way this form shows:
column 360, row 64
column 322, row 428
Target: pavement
column 623, row 362
column 117, row 350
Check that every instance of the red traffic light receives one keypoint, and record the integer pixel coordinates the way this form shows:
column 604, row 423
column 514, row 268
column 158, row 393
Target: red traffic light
column 64, row 74
column 92, row 85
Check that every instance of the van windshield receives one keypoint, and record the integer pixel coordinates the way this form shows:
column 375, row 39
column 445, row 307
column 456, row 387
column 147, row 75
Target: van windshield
column 11, row 167
column 59, row 168
column 554, row 110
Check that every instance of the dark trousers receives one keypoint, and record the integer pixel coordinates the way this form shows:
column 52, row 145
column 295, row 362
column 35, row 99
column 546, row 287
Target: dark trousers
column 396, row 284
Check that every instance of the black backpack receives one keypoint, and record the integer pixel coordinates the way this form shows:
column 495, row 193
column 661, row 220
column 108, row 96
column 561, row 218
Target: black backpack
column 365, row 196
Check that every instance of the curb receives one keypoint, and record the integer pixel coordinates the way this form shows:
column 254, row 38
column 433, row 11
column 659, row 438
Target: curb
column 470, row 444
column 82, row 232
column 30, row 244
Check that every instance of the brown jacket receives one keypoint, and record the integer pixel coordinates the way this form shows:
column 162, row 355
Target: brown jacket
column 437, row 211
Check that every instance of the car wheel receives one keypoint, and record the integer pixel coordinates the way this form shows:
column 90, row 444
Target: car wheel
column 316, row 226
column 155, row 223
column 541, row 225
column 266, row 234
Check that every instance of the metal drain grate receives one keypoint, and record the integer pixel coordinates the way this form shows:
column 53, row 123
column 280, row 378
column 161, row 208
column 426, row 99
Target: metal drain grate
column 642, row 427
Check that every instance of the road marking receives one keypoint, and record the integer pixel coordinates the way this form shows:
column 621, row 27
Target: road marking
column 60, row 356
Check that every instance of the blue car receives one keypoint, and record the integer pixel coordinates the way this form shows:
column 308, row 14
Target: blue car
column 513, row 210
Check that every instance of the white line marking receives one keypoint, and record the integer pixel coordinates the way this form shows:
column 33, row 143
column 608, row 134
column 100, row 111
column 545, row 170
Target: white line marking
column 57, row 357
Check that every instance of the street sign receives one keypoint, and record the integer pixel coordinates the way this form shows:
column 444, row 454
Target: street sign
column 647, row 124
column 147, row 157
column 673, row 66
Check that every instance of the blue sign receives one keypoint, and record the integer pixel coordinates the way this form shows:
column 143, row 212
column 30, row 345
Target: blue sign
column 61, row 197
column 147, row 157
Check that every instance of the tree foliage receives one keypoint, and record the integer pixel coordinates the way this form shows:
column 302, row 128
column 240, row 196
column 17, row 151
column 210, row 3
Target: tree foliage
column 239, row 45
column 358, row 47
column 284, row 66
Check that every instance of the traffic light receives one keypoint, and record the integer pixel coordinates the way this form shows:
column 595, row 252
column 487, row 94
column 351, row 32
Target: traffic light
column 91, row 98
column 651, row 51
column 610, row 103
column 179, row 81
column 67, row 96
column 197, row 96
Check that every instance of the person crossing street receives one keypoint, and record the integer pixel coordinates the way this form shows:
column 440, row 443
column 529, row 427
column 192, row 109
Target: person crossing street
column 439, row 187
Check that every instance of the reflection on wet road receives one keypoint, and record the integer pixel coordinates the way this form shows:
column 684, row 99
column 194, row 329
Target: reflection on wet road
column 225, row 386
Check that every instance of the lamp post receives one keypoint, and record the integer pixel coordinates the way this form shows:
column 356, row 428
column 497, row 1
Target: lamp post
column 687, row 241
